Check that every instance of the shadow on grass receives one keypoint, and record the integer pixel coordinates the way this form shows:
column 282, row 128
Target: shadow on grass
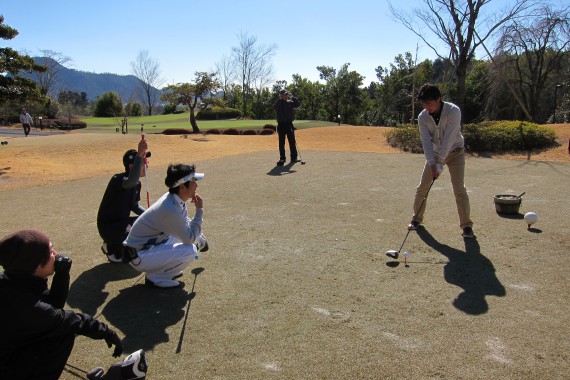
column 87, row 293
column 517, row 216
column 282, row 170
column 471, row 271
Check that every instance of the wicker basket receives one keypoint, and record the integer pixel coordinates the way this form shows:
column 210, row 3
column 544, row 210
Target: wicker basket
column 507, row 204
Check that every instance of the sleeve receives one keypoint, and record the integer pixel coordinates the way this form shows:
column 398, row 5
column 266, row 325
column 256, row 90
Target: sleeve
column 134, row 174
column 59, row 290
column 185, row 229
column 452, row 132
column 296, row 102
column 426, row 138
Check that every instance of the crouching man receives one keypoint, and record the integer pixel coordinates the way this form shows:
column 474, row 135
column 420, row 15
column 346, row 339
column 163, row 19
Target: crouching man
column 36, row 333
column 164, row 240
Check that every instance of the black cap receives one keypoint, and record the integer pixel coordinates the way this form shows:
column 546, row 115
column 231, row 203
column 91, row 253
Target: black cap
column 130, row 155
column 283, row 92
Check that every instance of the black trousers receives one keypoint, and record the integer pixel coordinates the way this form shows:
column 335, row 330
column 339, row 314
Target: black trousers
column 43, row 360
column 285, row 129
column 27, row 129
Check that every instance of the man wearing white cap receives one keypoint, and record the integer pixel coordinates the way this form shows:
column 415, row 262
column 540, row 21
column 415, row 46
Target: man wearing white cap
column 164, row 237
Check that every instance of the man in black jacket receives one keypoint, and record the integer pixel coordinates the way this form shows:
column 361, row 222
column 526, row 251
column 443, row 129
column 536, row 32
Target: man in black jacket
column 37, row 334
column 284, row 109
column 122, row 197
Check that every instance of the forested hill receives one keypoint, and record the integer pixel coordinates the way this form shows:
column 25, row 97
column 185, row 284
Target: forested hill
column 93, row 84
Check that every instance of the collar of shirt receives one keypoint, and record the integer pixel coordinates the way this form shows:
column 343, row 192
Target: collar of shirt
column 179, row 202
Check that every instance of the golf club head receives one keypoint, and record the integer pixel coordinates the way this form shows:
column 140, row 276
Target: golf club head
column 302, row 162
column 392, row 253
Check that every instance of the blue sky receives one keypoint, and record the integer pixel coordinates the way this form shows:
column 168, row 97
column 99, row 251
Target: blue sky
column 186, row 36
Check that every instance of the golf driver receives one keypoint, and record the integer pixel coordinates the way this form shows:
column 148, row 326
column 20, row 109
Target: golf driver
column 394, row 254
column 299, row 153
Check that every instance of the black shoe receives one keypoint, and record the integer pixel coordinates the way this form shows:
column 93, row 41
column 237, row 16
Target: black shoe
column 295, row 160
column 468, row 233
column 281, row 162
column 414, row 224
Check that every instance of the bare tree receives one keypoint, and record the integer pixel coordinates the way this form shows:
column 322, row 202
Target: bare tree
column 147, row 71
column 54, row 62
column 251, row 62
column 225, row 74
column 533, row 50
column 454, row 23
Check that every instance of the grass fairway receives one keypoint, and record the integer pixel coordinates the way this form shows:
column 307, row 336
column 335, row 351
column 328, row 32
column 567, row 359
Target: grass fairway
column 158, row 123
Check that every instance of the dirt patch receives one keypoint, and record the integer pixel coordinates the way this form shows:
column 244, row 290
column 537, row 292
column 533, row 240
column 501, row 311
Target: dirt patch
column 75, row 155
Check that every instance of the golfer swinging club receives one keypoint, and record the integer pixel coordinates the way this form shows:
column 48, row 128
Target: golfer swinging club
column 285, row 116
column 442, row 141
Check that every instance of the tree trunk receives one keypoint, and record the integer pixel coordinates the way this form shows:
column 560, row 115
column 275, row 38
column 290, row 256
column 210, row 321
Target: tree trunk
column 195, row 128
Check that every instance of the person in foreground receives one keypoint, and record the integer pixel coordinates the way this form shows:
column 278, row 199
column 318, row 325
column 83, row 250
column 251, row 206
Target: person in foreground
column 122, row 196
column 37, row 333
column 164, row 240
column 285, row 116
column 442, row 141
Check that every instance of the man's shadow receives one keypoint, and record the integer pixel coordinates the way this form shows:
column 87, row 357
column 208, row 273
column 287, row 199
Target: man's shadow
column 87, row 293
column 144, row 314
column 471, row 271
column 282, row 170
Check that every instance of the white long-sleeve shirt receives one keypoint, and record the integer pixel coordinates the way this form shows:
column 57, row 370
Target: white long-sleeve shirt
column 25, row 118
column 168, row 216
column 440, row 139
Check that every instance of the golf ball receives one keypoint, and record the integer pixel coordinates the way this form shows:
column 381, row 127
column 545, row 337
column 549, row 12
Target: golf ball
column 530, row 218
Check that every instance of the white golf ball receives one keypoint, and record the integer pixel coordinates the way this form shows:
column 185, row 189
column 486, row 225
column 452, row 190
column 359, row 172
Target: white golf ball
column 530, row 218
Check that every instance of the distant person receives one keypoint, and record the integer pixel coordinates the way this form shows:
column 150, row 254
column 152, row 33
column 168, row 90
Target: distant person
column 164, row 240
column 442, row 141
column 36, row 332
column 122, row 197
column 284, row 108
column 26, row 121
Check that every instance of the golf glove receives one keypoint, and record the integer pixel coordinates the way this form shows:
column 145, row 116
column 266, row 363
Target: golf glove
column 62, row 264
column 439, row 168
column 112, row 339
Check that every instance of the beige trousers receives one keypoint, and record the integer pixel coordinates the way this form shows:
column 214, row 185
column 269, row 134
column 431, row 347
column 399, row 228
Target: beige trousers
column 455, row 163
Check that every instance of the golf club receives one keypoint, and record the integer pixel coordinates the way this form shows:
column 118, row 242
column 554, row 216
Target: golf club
column 394, row 254
column 299, row 152
column 145, row 163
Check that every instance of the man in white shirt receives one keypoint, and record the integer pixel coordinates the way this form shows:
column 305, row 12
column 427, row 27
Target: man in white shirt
column 26, row 121
column 164, row 237
column 442, row 141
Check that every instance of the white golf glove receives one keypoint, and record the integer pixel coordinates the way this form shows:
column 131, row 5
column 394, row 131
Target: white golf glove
column 439, row 168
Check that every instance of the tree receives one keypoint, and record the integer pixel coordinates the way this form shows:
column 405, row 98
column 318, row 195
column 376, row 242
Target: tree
column 53, row 62
column 534, row 50
column 147, row 71
column 342, row 94
column 462, row 25
column 251, row 63
column 14, row 88
column 225, row 74
column 108, row 105
column 311, row 96
column 189, row 94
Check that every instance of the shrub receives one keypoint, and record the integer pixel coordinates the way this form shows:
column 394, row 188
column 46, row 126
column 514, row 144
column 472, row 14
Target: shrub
column 270, row 126
column 231, row 131
column 249, row 132
column 214, row 131
column 266, row 131
column 218, row 113
column 406, row 137
column 177, row 131
column 505, row 136
column 488, row 136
